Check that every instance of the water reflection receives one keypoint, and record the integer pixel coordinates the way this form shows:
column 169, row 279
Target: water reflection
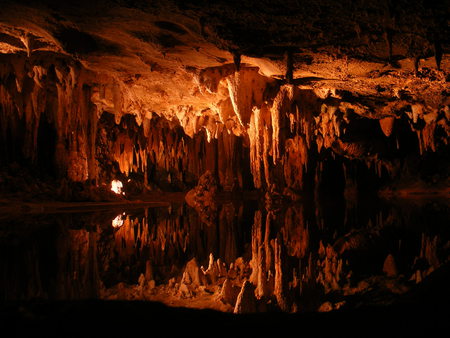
column 300, row 257
column 117, row 222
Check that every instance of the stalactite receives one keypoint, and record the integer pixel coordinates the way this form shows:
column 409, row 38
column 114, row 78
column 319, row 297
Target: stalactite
column 327, row 125
column 266, row 148
column 295, row 162
column 246, row 90
column 387, row 125
column 256, row 146
column 426, row 137
column 281, row 105
column 49, row 92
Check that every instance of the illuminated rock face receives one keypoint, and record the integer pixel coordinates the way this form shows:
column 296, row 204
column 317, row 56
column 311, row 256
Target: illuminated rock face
column 161, row 96
column 47, row 116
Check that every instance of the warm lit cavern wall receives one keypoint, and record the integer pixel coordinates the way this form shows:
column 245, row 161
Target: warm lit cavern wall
column 47, row 117
column 160, row 92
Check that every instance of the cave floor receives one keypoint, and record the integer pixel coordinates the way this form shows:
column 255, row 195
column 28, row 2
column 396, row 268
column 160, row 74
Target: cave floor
column 95, row 318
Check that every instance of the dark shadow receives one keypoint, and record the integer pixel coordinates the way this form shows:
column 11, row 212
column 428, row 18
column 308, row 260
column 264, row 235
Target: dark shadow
column 46, row 147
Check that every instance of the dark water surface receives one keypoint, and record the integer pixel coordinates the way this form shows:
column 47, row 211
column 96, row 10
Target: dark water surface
column 302, row 255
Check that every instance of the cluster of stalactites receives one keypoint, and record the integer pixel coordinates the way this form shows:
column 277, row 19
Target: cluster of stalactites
column 281, row 124
column 431, row 119
column 284, row 123
column 151, row 143
column 280, row 132
column 225, row 121
column 161, row 146
column 33, row 90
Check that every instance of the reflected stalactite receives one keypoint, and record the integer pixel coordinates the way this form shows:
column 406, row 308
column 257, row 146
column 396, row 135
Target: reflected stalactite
column 79, row 275
column 289, row 259
column 261, row 269
column 295, row 232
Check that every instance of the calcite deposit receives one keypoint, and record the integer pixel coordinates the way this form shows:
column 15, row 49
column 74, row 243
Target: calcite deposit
column 160, row 93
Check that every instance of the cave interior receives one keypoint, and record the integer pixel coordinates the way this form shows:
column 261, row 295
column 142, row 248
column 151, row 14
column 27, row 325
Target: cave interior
column 235, row 161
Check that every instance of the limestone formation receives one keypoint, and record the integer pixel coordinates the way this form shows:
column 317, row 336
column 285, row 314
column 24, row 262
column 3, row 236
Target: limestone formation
column 246, row 301
column 228, row 293
column 202, row 197
column 242, row 115
column 389, row 266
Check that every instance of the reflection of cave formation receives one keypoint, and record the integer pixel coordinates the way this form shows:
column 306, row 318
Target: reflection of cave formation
column 284, row 156
column 296, row 260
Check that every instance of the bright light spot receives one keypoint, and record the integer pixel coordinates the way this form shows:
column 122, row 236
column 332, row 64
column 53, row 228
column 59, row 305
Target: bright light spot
column 117, row 186
column 118, row 221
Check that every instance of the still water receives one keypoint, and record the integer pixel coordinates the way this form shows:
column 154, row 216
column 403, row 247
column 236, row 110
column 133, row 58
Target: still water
column 297, row 257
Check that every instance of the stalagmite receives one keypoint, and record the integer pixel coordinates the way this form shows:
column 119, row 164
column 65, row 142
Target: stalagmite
column 212, row 272
column 389, row 266
column 246, row 301
column 228, row 293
